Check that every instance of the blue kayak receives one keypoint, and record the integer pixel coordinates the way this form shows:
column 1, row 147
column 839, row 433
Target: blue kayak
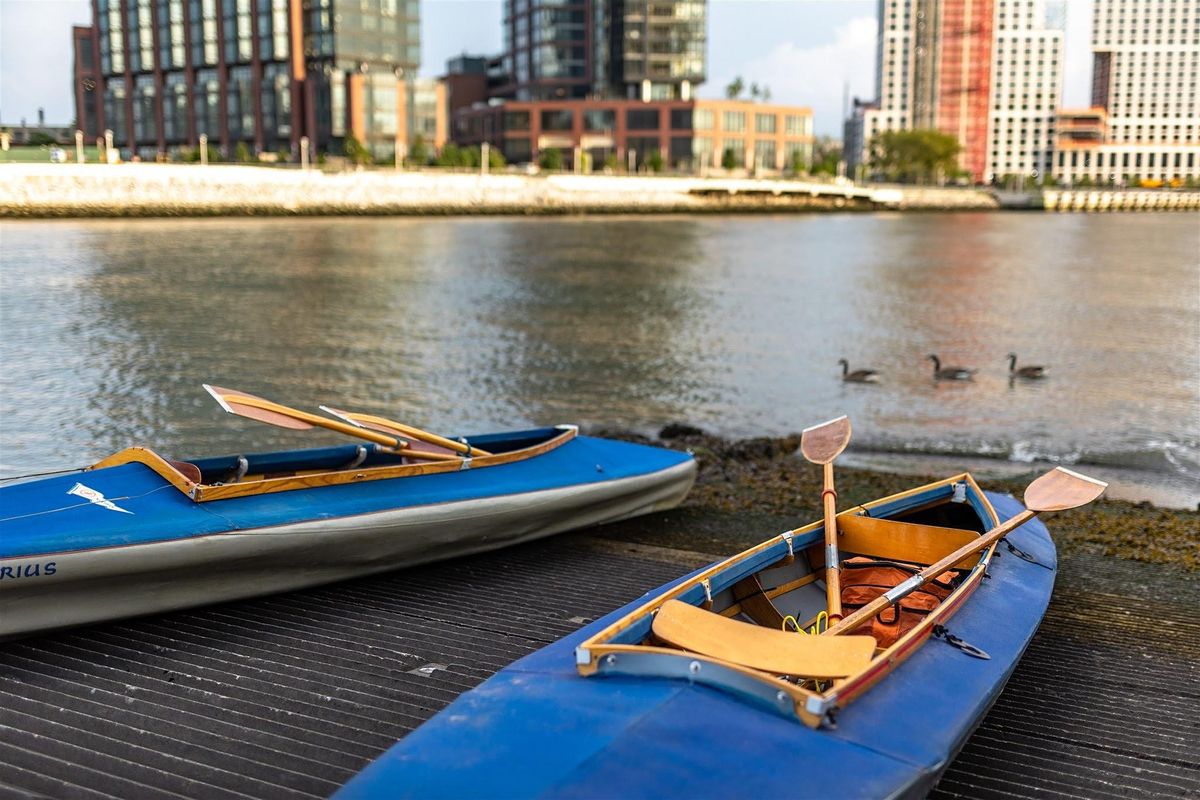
column 618, row 710
column 138, row 533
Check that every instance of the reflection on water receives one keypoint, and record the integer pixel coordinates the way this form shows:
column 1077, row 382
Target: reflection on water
column 734, row 324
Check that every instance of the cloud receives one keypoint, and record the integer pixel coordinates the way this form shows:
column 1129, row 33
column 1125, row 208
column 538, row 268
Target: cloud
column 815, row 76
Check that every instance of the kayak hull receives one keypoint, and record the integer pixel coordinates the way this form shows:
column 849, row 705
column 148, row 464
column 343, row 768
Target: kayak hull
column 539, row 729
column 162, row 570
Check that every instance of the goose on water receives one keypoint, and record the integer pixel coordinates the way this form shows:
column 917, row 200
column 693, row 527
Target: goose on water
column 859, row 375
column 941, row 373
column 1024, row 372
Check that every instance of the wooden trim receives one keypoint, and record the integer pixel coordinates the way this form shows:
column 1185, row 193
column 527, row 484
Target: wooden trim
column 755, row 603
column 207, row 492
column 144, row 455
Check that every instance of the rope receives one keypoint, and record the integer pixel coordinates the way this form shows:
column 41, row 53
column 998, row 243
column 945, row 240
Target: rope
column 42, row 474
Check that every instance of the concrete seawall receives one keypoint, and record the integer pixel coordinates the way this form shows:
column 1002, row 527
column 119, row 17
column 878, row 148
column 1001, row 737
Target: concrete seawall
column 1099, row 200
column 135, row 190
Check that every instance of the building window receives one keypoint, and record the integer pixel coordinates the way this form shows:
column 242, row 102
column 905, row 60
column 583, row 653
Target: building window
column 737, row 149
column 599, row 119
column 517, row 150
column 734, row 121
column 795, row 125
column 681, row 119
column 639, row 119
column 764, row 123
column 764, row 154
column 558, row 119
column 702, row 119
column 516, row 120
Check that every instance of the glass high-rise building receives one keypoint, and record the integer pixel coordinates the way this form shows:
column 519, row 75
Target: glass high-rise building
column 635, row 49
column 259, row 73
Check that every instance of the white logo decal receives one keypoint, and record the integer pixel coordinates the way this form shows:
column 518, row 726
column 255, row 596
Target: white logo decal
column 94, row 497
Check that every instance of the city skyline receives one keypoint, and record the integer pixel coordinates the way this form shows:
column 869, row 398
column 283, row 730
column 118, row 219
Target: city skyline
column 756, row 39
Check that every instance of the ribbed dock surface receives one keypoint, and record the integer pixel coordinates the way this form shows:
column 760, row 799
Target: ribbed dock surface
column 288, row 696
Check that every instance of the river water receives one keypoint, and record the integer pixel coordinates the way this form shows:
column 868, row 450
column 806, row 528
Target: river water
column 734, row 324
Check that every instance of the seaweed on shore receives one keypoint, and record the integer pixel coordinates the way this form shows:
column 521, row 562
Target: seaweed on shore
column 750, row 488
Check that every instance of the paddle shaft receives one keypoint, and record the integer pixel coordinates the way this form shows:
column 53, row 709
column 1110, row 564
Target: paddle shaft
column 923, row 577
column 425, row 436
column 833, row 562
column 398, row 445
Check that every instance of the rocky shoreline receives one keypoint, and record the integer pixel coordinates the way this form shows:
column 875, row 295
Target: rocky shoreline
column 748, row 489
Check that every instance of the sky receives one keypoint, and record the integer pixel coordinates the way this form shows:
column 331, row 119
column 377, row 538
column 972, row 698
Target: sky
column 806, row 51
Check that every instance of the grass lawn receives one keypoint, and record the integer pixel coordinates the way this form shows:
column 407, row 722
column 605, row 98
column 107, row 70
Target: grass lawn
column 41, row 154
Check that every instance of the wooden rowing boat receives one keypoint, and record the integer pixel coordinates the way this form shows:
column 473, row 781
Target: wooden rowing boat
column 137, row 533
column 720, row 683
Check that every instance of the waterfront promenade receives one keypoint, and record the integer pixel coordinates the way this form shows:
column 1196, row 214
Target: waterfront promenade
column 71, row 190
column 165, row 190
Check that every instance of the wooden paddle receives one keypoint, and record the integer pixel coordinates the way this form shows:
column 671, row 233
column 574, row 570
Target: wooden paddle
column 1057, row 490
column 258, row 408
column 391, row 426
column 821, row 444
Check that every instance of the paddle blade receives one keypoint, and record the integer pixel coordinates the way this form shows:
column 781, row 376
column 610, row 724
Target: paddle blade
column 822, row 443
column 1060, row 489
column 228, row 398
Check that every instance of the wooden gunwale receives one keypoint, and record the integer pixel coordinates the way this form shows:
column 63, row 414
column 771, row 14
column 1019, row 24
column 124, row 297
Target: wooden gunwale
column 844, row 690
column 201, row 493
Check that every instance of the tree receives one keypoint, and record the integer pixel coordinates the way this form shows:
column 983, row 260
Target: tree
column 241, row 153
column 917, row 156
column 797, row 162
column 826, row 155
column 735, row 89
column 496, row 159
column 654, row 161
column 418, row 154
column 355, row 152
column 551, row 159
column 39, row 139
column 728, row 159
column 766, row 94
column 755, row 92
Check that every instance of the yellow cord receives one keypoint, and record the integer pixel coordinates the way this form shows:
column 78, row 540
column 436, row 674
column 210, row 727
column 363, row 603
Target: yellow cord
column 820, row 624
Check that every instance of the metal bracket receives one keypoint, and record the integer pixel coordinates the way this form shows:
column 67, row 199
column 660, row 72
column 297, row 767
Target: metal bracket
column 960, row 493
column 787, row 538
column 707, row 590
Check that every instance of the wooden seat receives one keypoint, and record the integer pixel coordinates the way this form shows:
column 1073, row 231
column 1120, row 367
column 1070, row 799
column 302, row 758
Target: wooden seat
column 903, row 541
column 774, row 651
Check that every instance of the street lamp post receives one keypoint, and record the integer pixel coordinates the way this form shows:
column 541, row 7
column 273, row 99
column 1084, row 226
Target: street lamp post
column 204, row 149
column 78, row 147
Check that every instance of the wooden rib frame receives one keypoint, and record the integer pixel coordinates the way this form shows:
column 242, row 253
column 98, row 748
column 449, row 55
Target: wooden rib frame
column 201, row 493
column 843, row 691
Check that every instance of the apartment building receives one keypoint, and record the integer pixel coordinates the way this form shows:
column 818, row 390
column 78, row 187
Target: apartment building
column 1144, row 122
column 988, row 72
column 258, row 73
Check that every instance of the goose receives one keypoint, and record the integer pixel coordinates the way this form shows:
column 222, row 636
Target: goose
column 1024, row 372
column 859, row 375
column 949, row 373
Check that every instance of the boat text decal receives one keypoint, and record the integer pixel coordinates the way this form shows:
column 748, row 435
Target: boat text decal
column 95, row 498
column 28, row 570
